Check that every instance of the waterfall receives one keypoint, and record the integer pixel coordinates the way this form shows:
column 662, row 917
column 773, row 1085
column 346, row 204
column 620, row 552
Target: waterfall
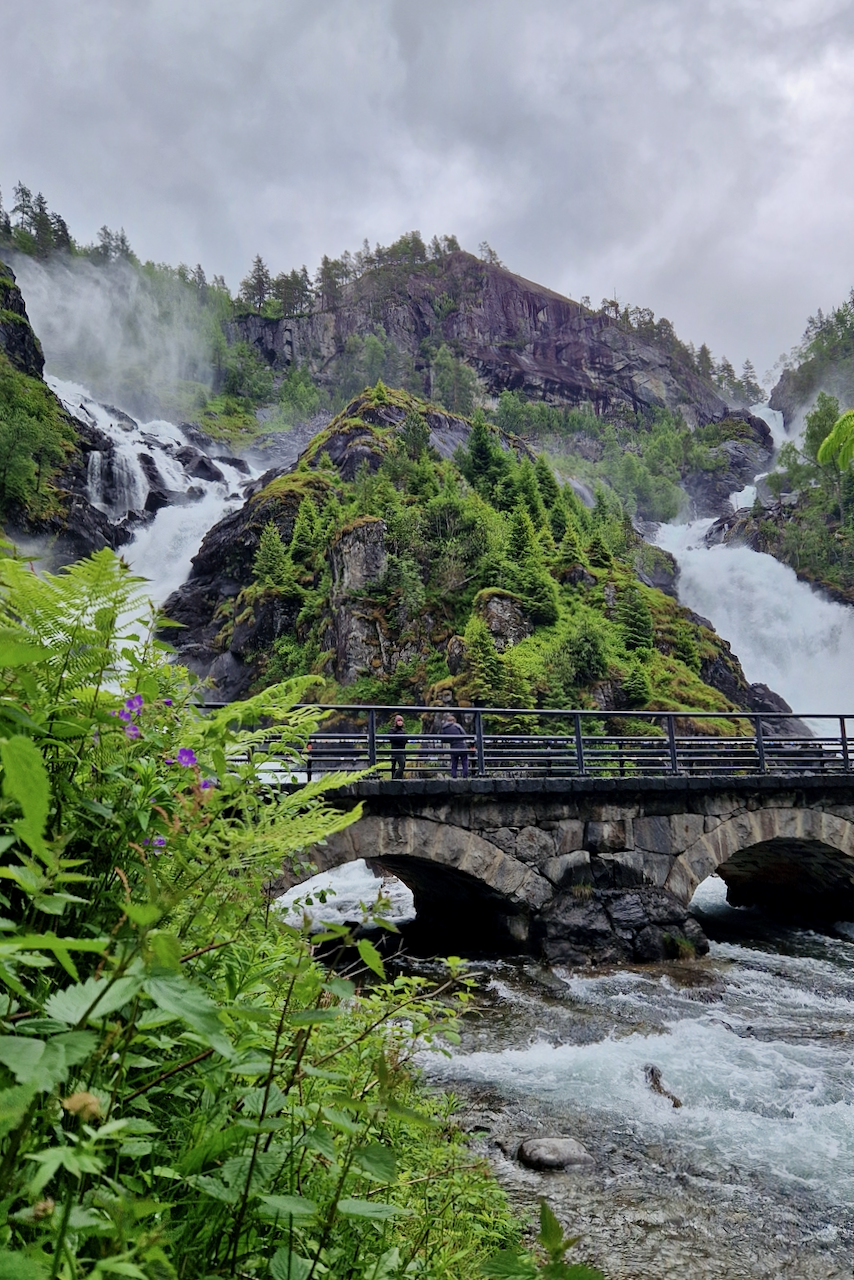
column 140, row 465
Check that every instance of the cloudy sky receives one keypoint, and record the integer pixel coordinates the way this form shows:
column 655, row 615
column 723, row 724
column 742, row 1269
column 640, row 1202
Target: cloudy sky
column 693, row 155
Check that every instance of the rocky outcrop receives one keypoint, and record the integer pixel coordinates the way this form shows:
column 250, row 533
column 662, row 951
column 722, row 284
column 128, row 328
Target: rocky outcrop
column 502, row 613
column 17, row 339
column 736, row 463
column 610, row 926
column 516, row 334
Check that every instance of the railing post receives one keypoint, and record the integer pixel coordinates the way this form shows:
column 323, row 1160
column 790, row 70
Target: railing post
column 579, row 745
column 843, row 733
column 478, row 743
column 671, row 738
column 372, row 737
column 760, row 744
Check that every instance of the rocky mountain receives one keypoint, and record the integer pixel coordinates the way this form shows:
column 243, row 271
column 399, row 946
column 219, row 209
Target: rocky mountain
column 18, row 342
column 515, row 334
column 396, row 573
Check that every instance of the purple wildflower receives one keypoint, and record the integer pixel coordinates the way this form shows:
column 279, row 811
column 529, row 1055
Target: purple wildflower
column 131, row 731
column 167, row 702
column 186, row 757
column 135, row 703
column 160, row 841
column 207, row 784
column 124, row 715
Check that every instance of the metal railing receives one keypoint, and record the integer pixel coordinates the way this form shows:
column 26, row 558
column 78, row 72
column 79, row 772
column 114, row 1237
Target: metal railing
column 523, row 743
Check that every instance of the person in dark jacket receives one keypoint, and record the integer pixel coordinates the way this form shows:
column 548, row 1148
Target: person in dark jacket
column 455, row 735
column 397, row 741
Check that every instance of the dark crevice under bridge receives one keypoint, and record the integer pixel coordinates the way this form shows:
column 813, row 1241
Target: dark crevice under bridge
column 581, row 833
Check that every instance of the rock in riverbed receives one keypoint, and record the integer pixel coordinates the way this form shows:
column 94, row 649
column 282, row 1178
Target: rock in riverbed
column 553, row 1153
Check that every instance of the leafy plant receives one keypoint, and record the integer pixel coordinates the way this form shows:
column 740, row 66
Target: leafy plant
column 184, row 1091
column 514, row 1264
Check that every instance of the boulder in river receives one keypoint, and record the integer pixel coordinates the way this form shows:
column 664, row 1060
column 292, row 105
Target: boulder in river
column 553, row 1153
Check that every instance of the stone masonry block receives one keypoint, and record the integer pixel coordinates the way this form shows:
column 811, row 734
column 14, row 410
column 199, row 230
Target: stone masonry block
column 568, row 868
column 607, row 836
column 534, row 845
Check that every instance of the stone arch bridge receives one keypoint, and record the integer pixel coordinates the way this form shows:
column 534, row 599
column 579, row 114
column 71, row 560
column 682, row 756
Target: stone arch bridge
column 600, row 868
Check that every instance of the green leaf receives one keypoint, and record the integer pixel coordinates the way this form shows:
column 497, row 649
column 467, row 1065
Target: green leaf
column 253, row 1100
column 93, row 999
column 341, row 987
column 17, row 1266
column 142, row 913
column 174, row 994
column 371, row 957
column 312, row 1017
column 551, row 1232
column 287, row 1207
column 371, row 1209
column 16, row 652
column 13, row 1106
column 25, row 780
column 377, row 1161
column 42, row 1064
column 285, row 1265
column 166, row 950
column 509, row 1264
column 386, row 1266
column 317, row 1139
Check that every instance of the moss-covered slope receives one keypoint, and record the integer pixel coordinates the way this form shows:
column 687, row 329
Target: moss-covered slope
column 397, row 575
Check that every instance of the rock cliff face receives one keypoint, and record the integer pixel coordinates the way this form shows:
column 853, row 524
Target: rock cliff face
column 516, row 334
column 17, row 339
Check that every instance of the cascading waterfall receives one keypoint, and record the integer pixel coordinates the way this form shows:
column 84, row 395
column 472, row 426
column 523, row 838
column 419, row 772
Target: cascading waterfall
column 121, row 484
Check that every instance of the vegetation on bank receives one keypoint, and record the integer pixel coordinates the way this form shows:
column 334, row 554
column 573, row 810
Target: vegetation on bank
column 184, row 1090
column 460, row 537
column 811, row 525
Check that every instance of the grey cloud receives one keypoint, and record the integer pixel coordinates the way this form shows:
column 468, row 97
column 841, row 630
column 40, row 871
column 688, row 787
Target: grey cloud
column 694, row 157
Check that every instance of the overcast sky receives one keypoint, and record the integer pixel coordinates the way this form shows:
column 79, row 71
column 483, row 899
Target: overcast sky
column 694, row 155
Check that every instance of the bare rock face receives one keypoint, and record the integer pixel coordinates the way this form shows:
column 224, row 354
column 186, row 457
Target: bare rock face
column 17, row 339
column 503, row 615
column 516, row 334
column 359, row 557
column 611, row 926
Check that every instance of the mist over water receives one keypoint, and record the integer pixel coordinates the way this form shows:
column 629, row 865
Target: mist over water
column 130, row 338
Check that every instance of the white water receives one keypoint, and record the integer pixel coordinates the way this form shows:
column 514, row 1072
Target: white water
column 785, row 634
column 162, row 549
column 349, row 894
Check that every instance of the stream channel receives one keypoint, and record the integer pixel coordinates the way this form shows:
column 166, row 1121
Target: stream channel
column 753, row 1176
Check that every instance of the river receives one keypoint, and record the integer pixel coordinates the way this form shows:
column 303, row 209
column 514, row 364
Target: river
column 753, row 1175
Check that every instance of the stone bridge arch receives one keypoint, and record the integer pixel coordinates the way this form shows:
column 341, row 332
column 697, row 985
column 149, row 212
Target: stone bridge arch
column 791, row 860
column 465, row 887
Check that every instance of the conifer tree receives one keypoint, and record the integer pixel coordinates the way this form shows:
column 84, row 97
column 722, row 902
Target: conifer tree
column 570, row 545
column 635, row 619
column 271, row 565
column 636, row 687
column 598, row 554
column 305, row 539
column 548, row 486
column 482, row 662
column 558, row 519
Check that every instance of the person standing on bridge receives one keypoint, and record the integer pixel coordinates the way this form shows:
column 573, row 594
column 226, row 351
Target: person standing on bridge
column 455, row 735
column 397, row 741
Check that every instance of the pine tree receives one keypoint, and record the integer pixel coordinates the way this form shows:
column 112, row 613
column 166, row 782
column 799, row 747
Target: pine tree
column 705, row 363
column 255, row 288
column 569, row 549
column 271, row 566
column 482, row 662
column 305, row 539
column 548, row 486
column 558, row 519
column 636, row 687
column 685, row 649
column 598, row 554
column 635, row 619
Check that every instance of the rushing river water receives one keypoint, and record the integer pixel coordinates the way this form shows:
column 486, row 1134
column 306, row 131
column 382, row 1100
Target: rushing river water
column 753, row 1176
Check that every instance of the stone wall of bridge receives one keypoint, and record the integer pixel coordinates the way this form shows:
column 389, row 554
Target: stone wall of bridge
column 601, row 868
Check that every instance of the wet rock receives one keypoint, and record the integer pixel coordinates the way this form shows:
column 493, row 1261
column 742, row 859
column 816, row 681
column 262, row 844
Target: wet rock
column 553, row 1153
column 239, row 464
column 198, row 465
column 455, row 654
column 585, row 925
column 502, row 613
